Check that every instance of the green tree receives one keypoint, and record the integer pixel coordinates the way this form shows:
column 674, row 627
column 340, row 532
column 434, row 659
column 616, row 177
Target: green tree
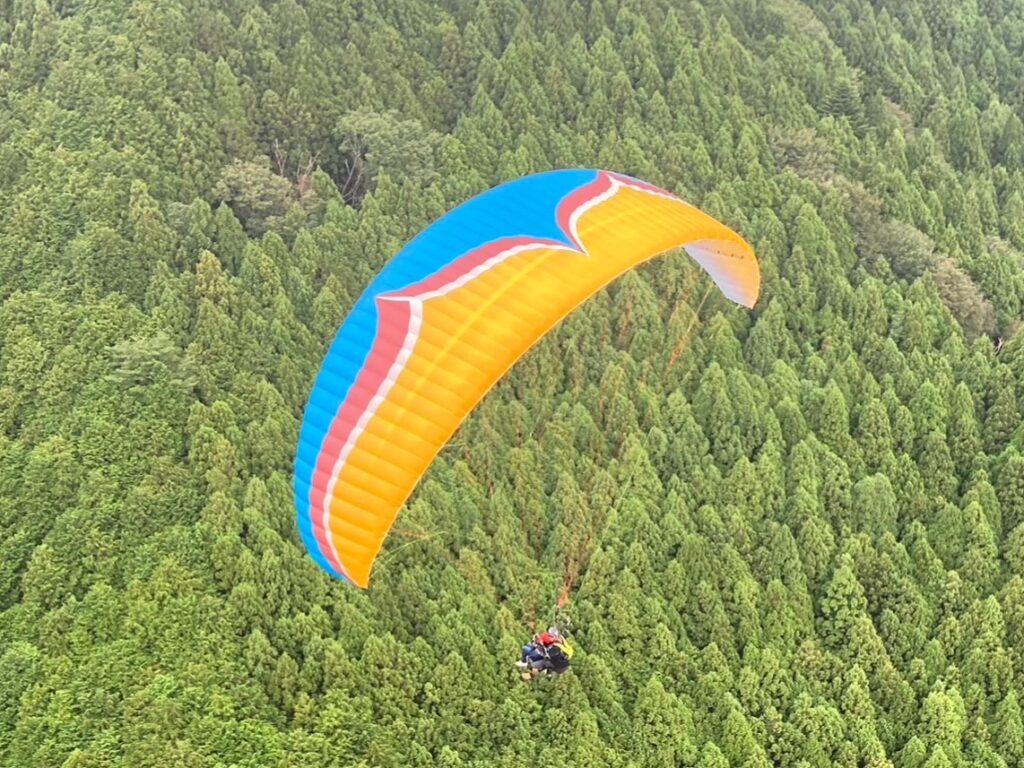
column 1008, row 731
column 1010, row 489
column 1001, row 416
column 661, row 727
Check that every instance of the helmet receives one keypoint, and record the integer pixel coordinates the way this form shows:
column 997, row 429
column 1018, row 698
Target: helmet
column 553, row 630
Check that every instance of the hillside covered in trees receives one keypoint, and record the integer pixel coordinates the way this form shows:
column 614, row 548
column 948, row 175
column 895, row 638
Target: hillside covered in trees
column 795, row 536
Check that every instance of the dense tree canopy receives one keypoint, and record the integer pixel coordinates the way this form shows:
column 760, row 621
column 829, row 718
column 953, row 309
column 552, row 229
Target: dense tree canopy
column 792, row 536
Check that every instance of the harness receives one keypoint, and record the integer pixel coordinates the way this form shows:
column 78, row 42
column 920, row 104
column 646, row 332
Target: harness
column 558, row 654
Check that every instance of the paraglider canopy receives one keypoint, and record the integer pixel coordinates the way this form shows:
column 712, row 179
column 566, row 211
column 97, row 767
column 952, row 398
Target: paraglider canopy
column 450, row 313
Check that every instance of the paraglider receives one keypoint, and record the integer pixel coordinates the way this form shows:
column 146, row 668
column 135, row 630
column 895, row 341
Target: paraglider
column 548, row 653
column 450, row 313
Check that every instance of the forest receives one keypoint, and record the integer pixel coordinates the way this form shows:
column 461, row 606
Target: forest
column 793, row 536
